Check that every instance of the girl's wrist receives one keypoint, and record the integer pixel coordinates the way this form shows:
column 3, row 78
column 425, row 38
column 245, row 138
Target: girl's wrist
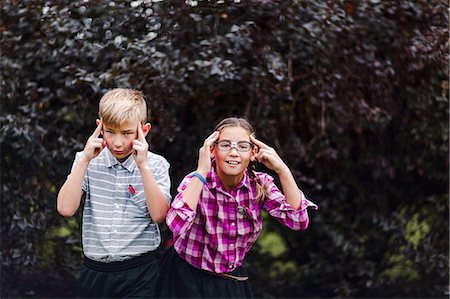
column 283, row 171
column 202, row 172
column 199, row 176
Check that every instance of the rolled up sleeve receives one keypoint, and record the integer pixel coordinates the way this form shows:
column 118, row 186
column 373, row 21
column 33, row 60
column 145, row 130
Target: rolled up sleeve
column 277, row 206
column 180, row 216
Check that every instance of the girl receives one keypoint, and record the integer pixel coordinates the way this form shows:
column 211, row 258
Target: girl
column 216, row 216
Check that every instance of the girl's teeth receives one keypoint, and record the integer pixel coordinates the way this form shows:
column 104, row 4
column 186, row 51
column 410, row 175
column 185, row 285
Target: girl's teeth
column 232, row 162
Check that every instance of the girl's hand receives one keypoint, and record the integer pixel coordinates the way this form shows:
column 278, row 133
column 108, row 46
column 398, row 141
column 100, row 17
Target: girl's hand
column 94, row 144
column 268, row 156
column 140, row 148
column 204, row 154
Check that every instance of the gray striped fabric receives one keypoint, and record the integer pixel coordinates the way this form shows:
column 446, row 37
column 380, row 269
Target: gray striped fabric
column 116, row 224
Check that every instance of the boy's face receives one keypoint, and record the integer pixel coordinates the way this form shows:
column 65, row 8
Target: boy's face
column 119, row 140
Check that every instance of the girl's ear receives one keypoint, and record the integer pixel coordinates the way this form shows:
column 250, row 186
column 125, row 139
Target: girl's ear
column 253, row 154
column 211, row 152
column 146, row 128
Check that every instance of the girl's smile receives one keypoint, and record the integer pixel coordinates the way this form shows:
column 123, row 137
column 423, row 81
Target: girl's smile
column 231, row 163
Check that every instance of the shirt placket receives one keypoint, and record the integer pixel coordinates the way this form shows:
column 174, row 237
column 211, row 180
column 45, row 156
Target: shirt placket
column 117, row 211
column 239, row 222
column 233, row 217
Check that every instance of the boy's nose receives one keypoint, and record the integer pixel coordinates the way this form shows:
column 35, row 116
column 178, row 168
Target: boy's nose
column 118, row 141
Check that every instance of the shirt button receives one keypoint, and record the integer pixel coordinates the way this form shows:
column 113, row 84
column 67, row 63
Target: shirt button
column 232, row 223
column 230, row 266
column 119, row 167
column 117, row 206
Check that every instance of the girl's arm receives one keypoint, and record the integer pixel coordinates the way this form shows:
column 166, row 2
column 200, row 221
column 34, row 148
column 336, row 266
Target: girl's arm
column 184, row 206
column 269, row 157
column 180, row 216
column 276, row 204
column 289, row 207
column 192, row 192
column 290, row 188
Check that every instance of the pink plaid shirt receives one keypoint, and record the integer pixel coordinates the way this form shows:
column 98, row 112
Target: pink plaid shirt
column 218, row 234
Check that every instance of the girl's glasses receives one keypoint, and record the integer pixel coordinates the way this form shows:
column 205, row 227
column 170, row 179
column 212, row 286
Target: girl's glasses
column 226, row 145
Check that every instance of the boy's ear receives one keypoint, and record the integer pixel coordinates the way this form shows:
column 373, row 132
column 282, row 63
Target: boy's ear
column 97, row 121
column 146, row 128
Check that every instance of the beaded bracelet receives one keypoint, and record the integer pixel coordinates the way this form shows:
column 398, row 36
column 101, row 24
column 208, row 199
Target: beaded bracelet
column 198, row 175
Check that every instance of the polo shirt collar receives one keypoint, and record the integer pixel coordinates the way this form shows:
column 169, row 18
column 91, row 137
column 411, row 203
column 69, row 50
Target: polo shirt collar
column 129, row 164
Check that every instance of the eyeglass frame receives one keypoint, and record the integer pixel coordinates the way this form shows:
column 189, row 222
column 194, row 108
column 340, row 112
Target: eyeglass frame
column 234, row 145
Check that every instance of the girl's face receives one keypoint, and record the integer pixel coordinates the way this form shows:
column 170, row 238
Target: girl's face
column 231, row 163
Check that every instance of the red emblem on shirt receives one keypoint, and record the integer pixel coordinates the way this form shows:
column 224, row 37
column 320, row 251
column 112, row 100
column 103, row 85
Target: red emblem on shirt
column 131, row 190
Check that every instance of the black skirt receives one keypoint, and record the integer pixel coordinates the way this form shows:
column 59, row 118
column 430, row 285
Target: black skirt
column 179, row 279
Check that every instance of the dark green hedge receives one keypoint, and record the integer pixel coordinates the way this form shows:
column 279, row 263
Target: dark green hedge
column 352, row 93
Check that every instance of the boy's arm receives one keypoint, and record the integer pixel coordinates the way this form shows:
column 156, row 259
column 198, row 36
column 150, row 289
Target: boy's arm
column 69, row 197
column 157, row 204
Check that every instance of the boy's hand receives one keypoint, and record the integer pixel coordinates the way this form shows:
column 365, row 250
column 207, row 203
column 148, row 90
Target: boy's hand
column 94, row 144
column 204, row 155
column 140, row 147
column 268, row 156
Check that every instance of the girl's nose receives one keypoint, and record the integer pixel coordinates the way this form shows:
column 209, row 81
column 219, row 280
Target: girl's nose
column 234, row 151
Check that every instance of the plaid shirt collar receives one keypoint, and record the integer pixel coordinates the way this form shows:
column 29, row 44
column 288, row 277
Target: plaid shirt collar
column 213, row 180
column 111, row 161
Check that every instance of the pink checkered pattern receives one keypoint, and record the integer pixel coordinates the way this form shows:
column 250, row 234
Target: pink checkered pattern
column 216, row 236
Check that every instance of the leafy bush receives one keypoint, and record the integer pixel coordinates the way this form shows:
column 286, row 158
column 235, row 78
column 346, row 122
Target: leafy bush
column 353, row 95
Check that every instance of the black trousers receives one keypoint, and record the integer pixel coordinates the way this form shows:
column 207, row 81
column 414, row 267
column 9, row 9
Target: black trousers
column 134, row 278
column 179, row 279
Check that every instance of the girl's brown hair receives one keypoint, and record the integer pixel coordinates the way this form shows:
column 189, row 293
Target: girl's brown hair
column 243, row 123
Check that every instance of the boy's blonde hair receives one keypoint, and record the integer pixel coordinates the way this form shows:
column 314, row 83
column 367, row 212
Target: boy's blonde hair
column 261, row 191
column 122, row 104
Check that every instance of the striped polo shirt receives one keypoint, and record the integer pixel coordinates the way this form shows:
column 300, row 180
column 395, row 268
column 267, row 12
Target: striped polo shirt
column 116, row 223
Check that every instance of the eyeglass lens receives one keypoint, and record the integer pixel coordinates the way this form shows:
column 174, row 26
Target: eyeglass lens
column 241, row 146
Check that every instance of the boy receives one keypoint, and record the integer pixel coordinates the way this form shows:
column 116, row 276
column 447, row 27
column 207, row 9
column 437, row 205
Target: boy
column 127, row 192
